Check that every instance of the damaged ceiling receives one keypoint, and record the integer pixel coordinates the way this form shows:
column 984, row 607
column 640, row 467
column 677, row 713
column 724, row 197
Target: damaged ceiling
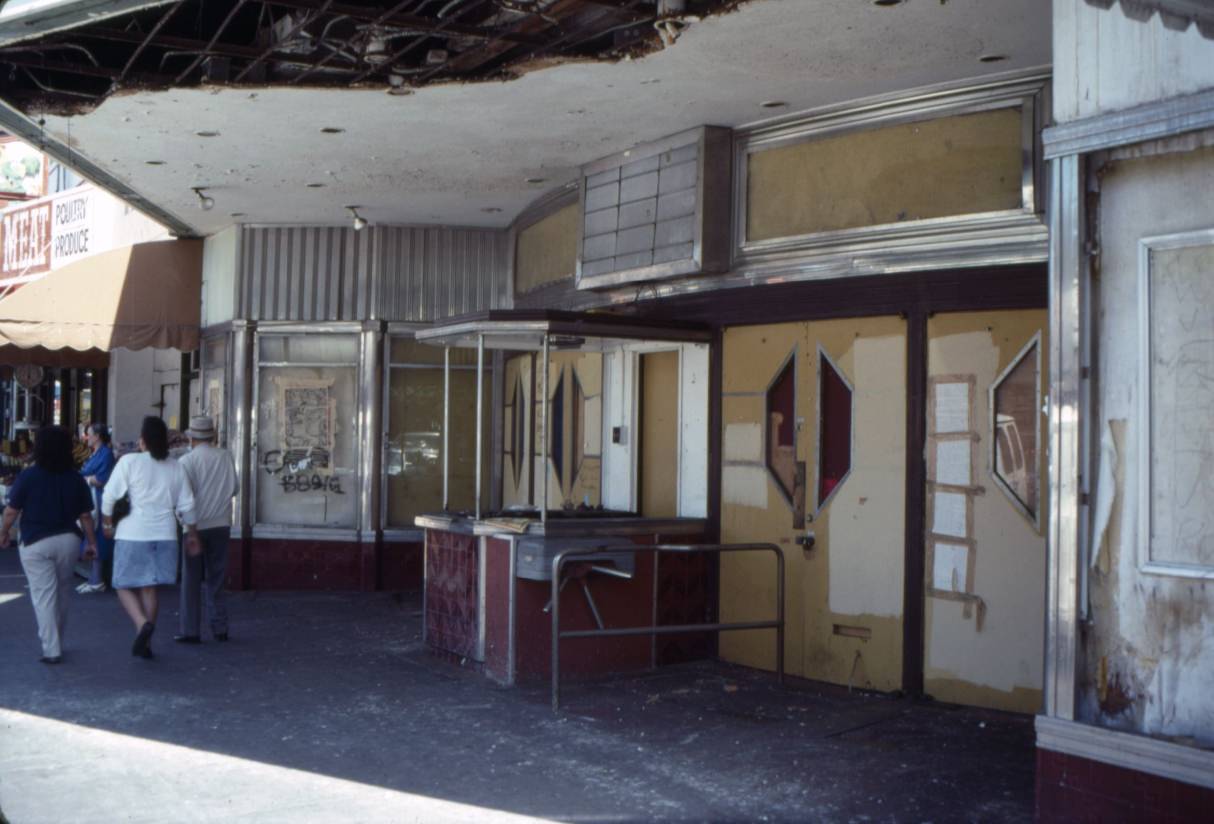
column 309, row 43
column 474, row 137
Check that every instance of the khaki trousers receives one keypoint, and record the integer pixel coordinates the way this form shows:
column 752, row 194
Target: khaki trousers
column 48, row 566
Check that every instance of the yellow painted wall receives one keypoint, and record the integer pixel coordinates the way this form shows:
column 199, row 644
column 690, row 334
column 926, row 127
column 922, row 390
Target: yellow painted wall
column 659, row 461
column 546, row 251
column 860, row 527
column 957, row 165
column 999, row 665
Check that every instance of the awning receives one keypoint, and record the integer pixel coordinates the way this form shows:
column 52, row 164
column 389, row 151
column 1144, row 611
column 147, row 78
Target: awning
column 144, row 295
column 11, row 356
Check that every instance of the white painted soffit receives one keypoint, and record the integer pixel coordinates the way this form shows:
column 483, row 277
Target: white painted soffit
column 465, row 154
column 28, row 19
column 1177, row 15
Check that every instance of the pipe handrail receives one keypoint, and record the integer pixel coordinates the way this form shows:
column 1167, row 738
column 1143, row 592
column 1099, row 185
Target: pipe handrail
column 667, row 629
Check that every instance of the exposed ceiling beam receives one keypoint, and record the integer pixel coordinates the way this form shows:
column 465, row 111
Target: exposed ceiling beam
column 368, row 14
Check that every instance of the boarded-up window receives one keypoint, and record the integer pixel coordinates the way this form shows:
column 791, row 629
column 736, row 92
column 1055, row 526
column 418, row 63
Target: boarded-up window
column 966, row 164
column 546, row 251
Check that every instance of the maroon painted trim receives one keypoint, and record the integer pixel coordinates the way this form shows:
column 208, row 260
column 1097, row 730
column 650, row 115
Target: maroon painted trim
column 914, row 541
column 954, row 290
column 1075, row 789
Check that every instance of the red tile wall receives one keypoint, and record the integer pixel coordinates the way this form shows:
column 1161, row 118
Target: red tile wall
column 1074, row 789
column 451, row 593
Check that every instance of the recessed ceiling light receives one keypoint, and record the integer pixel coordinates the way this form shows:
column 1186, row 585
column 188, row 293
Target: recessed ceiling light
column 490, row 210
column 236, row 214
column 773, row 104
column 992, row 58
column 316, row 185
column 332, row 130
column 207, row 134
column 536, row 179
column 154, row 162
column 888, row 2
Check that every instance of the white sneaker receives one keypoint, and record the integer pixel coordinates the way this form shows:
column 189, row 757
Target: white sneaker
column 88, row 589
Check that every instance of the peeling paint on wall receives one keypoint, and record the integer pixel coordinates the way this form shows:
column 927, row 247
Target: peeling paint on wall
column 1147, row 657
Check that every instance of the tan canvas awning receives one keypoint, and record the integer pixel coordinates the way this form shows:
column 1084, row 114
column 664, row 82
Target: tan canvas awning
column 143, row 295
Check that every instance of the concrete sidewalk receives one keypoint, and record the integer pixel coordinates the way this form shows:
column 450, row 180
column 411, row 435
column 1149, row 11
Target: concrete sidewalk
column 326, row 707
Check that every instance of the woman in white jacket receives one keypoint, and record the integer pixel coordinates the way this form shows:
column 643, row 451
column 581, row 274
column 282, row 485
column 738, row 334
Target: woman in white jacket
column 145, row 548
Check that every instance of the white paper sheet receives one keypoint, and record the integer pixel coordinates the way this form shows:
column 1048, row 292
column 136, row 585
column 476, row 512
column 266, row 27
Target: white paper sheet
column 953, row 462
column 950, row 562
column 949, row 514
column 952, row 407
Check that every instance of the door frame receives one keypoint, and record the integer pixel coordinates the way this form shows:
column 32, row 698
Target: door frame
column 915, row 297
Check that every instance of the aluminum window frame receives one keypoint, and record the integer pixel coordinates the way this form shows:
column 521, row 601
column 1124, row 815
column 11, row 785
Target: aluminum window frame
column 1033, row 517
column 261, row 529
column 398, row 331
column 1016, row 235
column 1146, row 245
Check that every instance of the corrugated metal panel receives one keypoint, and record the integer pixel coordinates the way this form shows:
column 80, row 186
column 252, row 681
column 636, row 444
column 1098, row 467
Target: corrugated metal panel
column 307, row 273
column 302, row 273
column 432, row 273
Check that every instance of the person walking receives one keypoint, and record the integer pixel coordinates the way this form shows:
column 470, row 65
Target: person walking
column 50, row 498
column 96, row 472
column 145, row 548
column 212, row 475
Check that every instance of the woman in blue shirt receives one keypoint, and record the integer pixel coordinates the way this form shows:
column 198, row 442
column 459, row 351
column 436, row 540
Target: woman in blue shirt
column 50, row 497
column 96, row 472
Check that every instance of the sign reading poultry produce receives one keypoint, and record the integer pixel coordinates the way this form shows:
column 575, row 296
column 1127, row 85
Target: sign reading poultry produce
column 43, row 235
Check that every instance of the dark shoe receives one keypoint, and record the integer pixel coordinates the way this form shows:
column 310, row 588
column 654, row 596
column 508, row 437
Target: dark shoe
column 221, row 636
column 187, row 639
column 140, row 647
column 51, row 659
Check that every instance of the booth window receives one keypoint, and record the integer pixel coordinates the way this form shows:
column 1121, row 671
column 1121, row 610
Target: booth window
column 307, row 421
column 834, row 428
column 413, row 460
column 1014, row 404
column 782, row 428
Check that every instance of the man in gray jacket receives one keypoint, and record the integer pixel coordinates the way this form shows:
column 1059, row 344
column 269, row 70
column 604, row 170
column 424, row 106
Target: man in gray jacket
column 212, row 475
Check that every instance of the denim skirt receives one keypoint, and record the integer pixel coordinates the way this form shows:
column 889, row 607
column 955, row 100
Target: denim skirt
column 144, row 563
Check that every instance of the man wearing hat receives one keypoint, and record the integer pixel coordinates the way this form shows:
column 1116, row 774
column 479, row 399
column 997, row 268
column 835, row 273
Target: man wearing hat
column 212, row 476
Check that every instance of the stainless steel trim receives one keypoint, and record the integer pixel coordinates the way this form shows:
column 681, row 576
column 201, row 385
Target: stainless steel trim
column 371, row 401
column 545, row 205
column 301, row 533
column 1150, row 121
column 1146, row 245
column 481, row 596
column 1022, row 89
column 425, row 581
column 480, row 408
column 240, row 410
column 446, row 427
column 512, row 621
column 17, row 124
column 547, row 407
column 1067, row 275
column 1140, row 753
column 332, row 327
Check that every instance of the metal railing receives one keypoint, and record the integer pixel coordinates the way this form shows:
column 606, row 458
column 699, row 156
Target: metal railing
column 655, row 630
